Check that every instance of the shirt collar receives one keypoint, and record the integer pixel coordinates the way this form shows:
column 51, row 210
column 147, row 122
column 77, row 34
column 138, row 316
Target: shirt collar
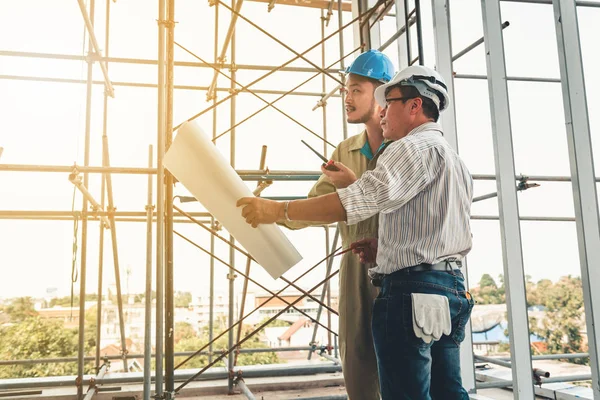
column 427, row 126
column 358, row 141
column 367, row 152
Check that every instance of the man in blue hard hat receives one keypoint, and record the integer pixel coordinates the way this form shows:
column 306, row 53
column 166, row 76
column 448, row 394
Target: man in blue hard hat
column 357, row 154
column 422, row 192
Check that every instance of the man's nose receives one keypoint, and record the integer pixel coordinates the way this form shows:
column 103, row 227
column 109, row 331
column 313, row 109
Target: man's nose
column 382, row 112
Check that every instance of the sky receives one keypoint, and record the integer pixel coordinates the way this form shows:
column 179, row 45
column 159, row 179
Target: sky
column 43, row 123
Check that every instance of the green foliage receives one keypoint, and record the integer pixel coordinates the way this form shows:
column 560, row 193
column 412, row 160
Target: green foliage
column 20, row 309
column 183, row 299
column 488, row 292
column 275, row 323
column 66, row 301
column 37, row 338
column 561, row 327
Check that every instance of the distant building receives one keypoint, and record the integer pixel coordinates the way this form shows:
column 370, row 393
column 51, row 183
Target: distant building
column 270, row 307
column 68, row 315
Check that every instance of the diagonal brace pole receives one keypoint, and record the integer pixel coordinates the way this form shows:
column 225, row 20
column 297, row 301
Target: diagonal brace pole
column 280, row 42
column 247, row 277
column 255, row 331
column 213, row 232
column 284, row 95
column 217, row 71
column 88, row 23
column 365, row 14
column 251, row 312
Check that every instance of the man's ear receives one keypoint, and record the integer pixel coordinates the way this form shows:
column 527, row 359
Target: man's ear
column 417, row 104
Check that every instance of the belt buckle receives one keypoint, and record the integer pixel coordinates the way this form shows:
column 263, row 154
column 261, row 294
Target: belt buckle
column 376, row 282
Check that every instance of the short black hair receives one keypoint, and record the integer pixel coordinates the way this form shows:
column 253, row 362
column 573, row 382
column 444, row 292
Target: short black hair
column 430, row 110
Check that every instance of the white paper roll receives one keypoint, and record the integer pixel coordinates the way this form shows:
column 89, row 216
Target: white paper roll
column 195, row 161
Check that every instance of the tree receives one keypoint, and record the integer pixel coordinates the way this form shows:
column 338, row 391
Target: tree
column 487, row 281
column 183, row 299
column 37, row 338
column 20, row 309
column 536, row 293
column 275, row 323
column 561, row 328
column 66, row 300
column 488, row 291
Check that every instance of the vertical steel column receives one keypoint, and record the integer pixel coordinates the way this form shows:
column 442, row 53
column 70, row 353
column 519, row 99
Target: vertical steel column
column 510, row 228
column 443, row 61
column 419, row 32
column 100, row 278
column 323, row 83
column 582, row 172
column 369, row 38
column 402, row 20
column 231, row 275
column 212, row 220
column 169, row 294
column 148, row 293
column 211, row 292
column 342, row 68
column 375, row 31
column 324, row 109
column 356, row 28
column 84, row 213
column 407, row 32
column 102, row 197
column 231, row 317
column 160, row 197
column 443, row 52
column 327, row 288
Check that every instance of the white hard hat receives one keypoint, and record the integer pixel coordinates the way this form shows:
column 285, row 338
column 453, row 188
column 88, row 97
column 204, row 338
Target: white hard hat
column 428, row 82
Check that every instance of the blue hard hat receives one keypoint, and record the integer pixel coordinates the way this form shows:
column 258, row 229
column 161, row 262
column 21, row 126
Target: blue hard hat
column 372, row 64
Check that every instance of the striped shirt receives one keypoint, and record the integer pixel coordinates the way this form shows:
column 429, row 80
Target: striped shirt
column 422, row 191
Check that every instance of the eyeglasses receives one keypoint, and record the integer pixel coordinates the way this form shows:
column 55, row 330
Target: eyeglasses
column 390, row 100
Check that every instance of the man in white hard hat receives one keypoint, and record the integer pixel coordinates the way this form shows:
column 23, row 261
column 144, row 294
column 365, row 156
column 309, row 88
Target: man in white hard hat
column 422, row 191
column 358, row 153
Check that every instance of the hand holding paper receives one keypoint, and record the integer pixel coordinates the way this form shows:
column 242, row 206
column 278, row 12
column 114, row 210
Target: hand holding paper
column 260, row 211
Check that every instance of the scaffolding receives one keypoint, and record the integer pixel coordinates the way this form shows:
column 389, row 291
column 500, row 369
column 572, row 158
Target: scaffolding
column 407, row 42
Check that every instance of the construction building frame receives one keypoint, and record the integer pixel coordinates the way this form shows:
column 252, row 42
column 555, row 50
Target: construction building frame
column 161, row 217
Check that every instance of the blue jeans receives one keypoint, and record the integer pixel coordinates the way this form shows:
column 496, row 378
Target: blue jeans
column 408, row 367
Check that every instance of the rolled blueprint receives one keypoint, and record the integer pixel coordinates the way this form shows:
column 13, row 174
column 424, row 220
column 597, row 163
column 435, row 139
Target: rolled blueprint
column 195, row 161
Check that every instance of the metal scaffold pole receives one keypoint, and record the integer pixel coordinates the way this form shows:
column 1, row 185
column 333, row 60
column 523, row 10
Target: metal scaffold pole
column 169, row 267
column 148, row 290
column 84, row 225
column 160, row 196
column 231, row 275
column 102, row 204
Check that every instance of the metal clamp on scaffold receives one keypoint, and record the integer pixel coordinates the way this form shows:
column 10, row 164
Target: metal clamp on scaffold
column 524, row 185
column 166, row 23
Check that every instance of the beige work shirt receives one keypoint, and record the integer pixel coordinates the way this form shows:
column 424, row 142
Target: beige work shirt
column 348, row 153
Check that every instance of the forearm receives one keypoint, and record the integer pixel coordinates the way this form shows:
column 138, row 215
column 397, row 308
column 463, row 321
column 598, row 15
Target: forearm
column 295, row 225
column 326, row 209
